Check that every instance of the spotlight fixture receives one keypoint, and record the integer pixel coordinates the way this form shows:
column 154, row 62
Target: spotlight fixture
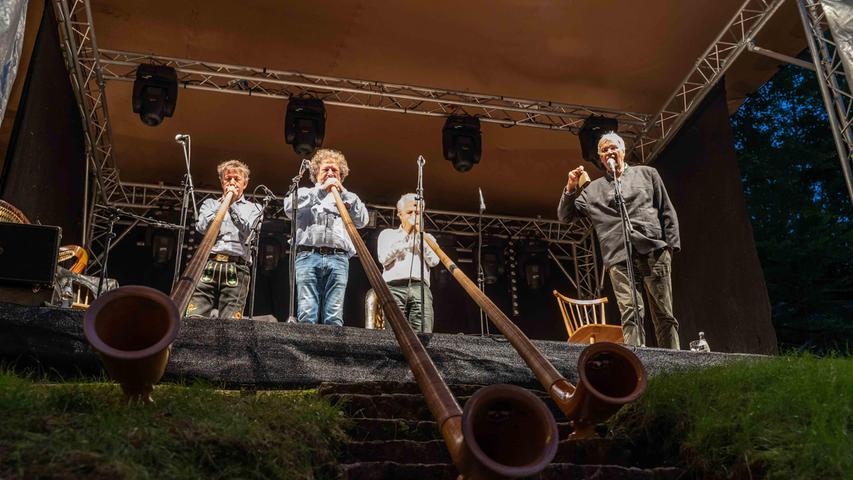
column 591, row 131
column 461, row 141
column 305, row 125
column 155, row 92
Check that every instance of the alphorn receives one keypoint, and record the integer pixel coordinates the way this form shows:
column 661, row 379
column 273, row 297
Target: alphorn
column 609, row 375
column 132, row 328
column 504, row 431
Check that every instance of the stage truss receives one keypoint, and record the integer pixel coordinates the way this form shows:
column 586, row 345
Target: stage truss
column 834, row 87
column 572, row 245
column 90, row 67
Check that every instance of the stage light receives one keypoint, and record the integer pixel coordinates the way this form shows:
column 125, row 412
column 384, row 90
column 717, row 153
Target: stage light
column 534, row 261
column 155, row 92
column 305, row 125
column 270, row 255
column 163, row 246
column 591, row 131
column 461, row 141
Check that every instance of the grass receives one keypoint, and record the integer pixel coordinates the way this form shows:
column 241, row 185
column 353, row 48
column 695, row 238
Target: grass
column 84, row 430
column 782, row 418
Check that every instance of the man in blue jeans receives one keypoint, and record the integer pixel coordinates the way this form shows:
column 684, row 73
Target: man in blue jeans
column 323, row 247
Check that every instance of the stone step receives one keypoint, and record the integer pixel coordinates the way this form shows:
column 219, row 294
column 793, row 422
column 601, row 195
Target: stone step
column 375, row 429
column 555, row 471
column 400, row 405
column 594, row 451
column 378, row 388
column 400, row 451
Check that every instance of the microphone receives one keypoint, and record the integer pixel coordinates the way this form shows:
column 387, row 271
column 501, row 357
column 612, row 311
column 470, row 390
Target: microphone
column 612, row 164
column 181, row 138
column 482, row 202
column 421, row 160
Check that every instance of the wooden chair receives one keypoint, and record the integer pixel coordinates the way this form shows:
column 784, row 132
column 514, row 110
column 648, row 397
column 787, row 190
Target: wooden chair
column 585, row 320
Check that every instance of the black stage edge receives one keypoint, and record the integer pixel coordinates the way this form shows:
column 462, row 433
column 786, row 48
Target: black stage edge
column 279, row 355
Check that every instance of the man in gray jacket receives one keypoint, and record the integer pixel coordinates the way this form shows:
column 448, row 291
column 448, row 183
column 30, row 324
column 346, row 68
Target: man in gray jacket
column 653, row 236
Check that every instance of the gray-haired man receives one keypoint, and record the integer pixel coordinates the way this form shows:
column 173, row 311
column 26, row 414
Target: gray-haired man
column 399, row 252
column 654, row 236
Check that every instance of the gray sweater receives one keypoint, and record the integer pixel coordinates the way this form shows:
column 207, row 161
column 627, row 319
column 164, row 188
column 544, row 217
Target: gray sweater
column 649, row 208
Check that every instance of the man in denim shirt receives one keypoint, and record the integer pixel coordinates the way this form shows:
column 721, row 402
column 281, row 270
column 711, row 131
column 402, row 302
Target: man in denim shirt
column 654, row 237
column 323, row 247
column 224, row 284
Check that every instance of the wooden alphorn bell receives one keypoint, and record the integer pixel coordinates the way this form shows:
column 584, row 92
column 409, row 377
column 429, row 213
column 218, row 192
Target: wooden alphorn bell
column 132, row 328
column 504, row 431
column 609, row 375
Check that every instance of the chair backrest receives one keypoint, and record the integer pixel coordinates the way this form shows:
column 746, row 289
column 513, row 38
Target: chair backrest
column 578, row 313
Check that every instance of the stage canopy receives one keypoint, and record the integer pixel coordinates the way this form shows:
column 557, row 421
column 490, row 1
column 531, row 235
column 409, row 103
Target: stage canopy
column 626, row 56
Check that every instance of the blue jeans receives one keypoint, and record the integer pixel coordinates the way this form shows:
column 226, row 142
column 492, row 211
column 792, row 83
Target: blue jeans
column 321, row 282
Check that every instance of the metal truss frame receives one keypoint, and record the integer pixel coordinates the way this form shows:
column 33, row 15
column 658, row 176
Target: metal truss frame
column 833, row 84
column 80, row 52
column 709, row 68
column 366, row 94
column 574, row 240
column 89, row 68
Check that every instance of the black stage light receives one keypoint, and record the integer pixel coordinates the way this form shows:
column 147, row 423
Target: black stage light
column 534, row 259
column 461, row 141
column 590, row 133
column 305, row 125
column 155, row 92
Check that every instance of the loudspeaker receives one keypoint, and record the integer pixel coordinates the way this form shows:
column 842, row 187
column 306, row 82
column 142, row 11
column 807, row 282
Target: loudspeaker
column 591, row 131
column 28, row 253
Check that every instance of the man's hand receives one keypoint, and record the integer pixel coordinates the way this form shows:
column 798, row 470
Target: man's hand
column 574, row 176
column 232, row 188
column 333, row 182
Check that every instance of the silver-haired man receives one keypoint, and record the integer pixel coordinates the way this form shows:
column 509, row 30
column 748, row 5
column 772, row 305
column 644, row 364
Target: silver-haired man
column 654, row 236
column 399, row 252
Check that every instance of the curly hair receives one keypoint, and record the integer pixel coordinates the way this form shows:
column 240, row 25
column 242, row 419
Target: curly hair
column 232, row 165
column 327, row 153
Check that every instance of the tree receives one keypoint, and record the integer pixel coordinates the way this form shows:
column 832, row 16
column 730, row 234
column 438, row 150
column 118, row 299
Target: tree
column 800, row 210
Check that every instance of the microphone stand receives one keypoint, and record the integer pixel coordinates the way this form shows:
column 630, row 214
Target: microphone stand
column 110, row 236
column 253, row 247
column 481, row 273
column 421, row 204
column 627, row 229
column 189, row 193
column 294, row 190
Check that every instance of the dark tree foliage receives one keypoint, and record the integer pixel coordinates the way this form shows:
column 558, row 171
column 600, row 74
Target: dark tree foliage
column 800, row 210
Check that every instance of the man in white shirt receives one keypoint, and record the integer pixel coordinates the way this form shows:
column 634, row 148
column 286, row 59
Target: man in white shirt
column 399, row 252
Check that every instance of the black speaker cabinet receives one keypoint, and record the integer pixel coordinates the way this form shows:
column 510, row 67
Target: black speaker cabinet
column 28, row 253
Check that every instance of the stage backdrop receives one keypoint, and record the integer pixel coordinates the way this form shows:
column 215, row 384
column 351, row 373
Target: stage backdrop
column 717, row 278
column 43, row 172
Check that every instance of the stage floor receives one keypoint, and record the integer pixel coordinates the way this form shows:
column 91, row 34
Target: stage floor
column 279, row 355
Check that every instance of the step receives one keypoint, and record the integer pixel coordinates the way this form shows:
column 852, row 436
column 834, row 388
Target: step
column 399, row 405
column 378, row 388
column 594, row 451
column 555, row 471
column 402, row 451
column 396, row 471
column 375, row 429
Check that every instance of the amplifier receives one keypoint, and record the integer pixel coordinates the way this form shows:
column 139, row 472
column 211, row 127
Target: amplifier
column 28, row 253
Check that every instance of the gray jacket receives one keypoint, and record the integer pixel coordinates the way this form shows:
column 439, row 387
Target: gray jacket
column 652, row 215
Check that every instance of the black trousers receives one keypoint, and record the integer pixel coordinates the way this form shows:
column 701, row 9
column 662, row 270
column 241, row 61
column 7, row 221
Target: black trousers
column 223, row 286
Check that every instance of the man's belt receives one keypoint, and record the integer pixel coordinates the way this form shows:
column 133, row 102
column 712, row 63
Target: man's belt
column 322, row 250
column 221, row 257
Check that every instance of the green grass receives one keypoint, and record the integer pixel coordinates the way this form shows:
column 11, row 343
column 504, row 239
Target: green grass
column 780, row 418
column 84, row 430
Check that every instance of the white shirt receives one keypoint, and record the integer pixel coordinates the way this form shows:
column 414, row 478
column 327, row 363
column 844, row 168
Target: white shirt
column 396, row 251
